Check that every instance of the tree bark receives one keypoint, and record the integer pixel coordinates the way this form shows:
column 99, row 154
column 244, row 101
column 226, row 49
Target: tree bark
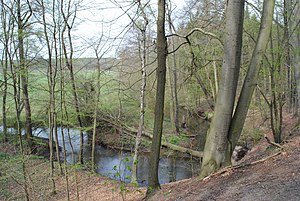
column 289, row 87
column 142, row 53
column 6, row 31
column 295, row 43
column 216, row 142
column 250, row 81
column 69, row 64
column 160, row 98
column 24, row 73
column 173, row 79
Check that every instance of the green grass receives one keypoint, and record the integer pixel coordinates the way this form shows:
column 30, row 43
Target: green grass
column 109, row 100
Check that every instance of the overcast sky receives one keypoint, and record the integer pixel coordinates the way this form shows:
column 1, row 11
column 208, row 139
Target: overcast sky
column 103, row 17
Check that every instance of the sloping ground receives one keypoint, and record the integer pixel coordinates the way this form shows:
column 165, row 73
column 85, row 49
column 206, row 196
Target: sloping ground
column 90, row 186
column 266, row 174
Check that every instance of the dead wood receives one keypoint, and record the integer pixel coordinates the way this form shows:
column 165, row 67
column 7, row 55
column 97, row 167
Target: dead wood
column 231, row 168
column 132, row 132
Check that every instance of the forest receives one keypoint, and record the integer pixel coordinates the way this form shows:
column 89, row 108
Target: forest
column 149, row 100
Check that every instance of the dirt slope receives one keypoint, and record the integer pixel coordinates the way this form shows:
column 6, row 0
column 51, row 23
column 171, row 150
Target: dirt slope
column 266, row 174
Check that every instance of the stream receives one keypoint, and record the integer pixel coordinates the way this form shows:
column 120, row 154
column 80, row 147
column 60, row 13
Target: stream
column 116, row 164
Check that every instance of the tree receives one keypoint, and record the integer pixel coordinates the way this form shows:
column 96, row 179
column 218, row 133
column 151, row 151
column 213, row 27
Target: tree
column 289, row 85
column 22, row 22
column 295, row 44
column 142, row 54
column 160, row 97
column 4, row 63
column 250, row 81
column 69, row 21
column 173, row 80
column 216, row 142
column 224, row 133
column 52, row 71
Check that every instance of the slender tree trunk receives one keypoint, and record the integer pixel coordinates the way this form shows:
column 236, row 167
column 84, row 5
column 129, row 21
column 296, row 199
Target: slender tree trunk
column 6, row 32
column 142, row 102
column 216, row 142
column 250, row 81
column 173, row 79
column 96, row 98
column 160, row 98
column 4, row 99
column 276, row 101
column 69, row 63
column 24, row 75
column 18, row 109
column 216, row 78
column 62, row 116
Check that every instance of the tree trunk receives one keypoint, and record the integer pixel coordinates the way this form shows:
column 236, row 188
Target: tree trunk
column 216, row 142
column 160, row 98
column 173, row 79
column 63, row 117
column 295, row 43
column 96, row 99
column 69, row 64
column 250, row 81
column 143, row 54
column 24, row 75
column 289, row 87
column 5, row 67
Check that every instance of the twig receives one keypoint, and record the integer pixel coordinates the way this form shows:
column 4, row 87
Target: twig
column 273, row 143
column 227, row 169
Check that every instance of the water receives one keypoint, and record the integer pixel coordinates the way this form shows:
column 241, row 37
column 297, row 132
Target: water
column 117, row 164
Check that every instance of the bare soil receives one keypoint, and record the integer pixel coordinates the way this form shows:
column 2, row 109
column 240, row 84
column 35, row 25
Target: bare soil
column 266, row 173
column 275, row 177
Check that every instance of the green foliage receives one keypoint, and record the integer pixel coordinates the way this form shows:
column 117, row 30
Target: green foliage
column 4, row 156
column 251, row 135
column 11, row 172
column 136, row 162
column 177, row 139
column 167, row 192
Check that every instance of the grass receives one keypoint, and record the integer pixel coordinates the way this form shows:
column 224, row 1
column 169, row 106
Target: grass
column 85, row 79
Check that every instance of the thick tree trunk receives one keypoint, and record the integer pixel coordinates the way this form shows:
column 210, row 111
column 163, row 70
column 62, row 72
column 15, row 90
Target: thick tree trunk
column 250, row 81
column 289, row 87
column 160, row 98
column 216, row 142
column 295, row 43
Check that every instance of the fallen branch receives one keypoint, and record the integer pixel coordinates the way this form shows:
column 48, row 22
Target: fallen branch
column 132, row 132
column 230, row 168
column 273, row 143
column 171, row 146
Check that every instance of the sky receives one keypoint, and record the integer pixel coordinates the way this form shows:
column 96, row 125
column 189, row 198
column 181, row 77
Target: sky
column 101, row 17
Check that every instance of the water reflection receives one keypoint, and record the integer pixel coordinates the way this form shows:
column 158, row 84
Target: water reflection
column 116, row 164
